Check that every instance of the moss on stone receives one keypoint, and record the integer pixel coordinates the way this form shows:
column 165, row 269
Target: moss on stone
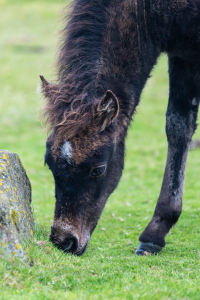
column 16, row 219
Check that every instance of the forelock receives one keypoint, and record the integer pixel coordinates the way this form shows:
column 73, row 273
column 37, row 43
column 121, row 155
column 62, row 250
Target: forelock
column 79, row 148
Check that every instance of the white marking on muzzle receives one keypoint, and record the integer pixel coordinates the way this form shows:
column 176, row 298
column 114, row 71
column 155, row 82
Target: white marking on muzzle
column 66, row 151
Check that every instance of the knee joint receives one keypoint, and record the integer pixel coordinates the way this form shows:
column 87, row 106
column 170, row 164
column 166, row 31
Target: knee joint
column 179, row 129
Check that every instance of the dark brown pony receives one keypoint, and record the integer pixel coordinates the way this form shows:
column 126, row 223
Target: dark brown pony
column 108, row 49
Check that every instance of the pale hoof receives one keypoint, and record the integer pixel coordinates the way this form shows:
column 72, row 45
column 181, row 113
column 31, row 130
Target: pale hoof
column 145, row 249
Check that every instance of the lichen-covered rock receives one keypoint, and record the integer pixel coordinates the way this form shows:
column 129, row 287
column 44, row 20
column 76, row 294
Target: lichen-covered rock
column 16, row 219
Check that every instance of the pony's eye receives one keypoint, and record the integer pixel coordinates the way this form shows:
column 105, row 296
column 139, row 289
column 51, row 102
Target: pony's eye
column 98, row 171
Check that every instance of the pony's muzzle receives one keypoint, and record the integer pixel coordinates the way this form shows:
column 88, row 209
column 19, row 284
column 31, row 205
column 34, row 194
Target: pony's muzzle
column 66, row 241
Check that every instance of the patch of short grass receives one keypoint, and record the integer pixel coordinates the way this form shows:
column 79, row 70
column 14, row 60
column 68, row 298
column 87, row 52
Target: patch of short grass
column 109, row 269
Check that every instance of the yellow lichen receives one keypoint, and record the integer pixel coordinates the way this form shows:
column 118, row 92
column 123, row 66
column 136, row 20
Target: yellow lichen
column 18, row 246
column 15, row 216
column 3, row 244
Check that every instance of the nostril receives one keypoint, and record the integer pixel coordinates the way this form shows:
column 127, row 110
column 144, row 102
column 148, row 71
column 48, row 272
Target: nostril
column 65, row 241
column 70, row 244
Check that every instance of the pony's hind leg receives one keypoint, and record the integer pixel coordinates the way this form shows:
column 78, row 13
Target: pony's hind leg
column 181, row 119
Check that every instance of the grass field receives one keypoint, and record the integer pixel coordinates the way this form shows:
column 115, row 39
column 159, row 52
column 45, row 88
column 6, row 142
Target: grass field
column 109, row 269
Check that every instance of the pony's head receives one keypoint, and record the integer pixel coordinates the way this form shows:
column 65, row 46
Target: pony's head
column 85, row 154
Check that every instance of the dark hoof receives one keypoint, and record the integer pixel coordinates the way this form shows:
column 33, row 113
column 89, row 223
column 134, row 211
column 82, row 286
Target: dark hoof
column 147, row 249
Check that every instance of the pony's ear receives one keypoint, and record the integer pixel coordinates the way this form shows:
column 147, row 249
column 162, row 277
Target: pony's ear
column 107, row 110
column 50, row 112
column 48, row 89
column 45, row 87
column 44, row 82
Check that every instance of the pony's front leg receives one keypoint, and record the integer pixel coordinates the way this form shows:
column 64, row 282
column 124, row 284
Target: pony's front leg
column 180, row 125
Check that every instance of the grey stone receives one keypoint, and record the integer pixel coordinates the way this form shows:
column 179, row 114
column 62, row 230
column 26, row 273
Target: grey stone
column 16, row 219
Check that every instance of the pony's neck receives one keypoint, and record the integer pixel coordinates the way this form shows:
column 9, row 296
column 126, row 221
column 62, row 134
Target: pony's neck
column 137, row 32
column 112, row 45
column 129, row 51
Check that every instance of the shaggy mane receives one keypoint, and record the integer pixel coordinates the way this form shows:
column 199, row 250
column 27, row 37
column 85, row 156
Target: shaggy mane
column 69, row 107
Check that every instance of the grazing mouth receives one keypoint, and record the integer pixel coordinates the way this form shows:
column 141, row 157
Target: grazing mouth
column 71, row 246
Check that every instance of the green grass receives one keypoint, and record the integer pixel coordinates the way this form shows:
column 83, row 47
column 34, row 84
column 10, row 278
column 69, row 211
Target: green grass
column 109, row 269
